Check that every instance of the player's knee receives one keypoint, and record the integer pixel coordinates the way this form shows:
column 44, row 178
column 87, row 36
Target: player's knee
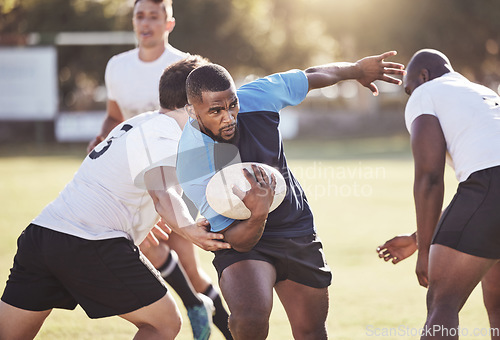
column 175, row 325
column 167, row 330
column 439, row 300
column 249, row 325
column 309, row 330
column 491, row 297
column 492, row 307
column 318, row 333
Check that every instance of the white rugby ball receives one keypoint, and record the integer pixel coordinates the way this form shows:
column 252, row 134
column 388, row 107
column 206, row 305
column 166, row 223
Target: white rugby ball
column 220, row 194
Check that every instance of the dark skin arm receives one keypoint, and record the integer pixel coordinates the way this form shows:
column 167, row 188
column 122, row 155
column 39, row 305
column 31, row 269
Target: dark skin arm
column 365, row 71
column 114, row 117
column 244, row 235
column 429, row 153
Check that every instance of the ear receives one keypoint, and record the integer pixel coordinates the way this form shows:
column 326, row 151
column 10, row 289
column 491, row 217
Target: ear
column 190, row 111
column 170, row 24
column 424, row 75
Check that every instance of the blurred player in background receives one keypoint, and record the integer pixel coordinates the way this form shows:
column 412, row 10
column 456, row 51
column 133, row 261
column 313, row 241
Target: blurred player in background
column 280, row 249
column 82, row 248
column 132, row 81
column 451, row 118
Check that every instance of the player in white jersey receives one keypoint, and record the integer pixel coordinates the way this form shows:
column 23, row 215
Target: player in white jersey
column 132, row 79
column 82, row 248
column 451, row 118
column 132, row 83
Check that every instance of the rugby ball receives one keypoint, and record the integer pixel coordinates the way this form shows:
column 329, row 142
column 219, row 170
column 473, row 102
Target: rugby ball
column 220, row 194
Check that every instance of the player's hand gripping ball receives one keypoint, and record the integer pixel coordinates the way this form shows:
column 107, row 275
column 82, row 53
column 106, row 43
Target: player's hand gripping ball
column 220, row 195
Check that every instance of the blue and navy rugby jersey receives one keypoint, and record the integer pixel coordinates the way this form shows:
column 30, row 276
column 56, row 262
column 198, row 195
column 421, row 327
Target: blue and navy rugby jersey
column 200, row 157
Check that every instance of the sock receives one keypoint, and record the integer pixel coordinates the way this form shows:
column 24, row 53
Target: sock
column 220, row 318
column 175, row 276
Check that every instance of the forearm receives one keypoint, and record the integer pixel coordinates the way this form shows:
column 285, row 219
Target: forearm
column 330, row 74
column 173, row 211
column 244, row 235
column 428, row 195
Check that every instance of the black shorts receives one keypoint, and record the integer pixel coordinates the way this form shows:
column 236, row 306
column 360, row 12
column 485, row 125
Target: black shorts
column 57, row 270
column 471, row 223
column 299, row 259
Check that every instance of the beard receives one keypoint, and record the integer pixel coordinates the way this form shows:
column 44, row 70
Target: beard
column 218, row 137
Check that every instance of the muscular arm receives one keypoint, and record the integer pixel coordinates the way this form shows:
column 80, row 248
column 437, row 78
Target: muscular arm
column 166, row 194
column 365, row 71
column 244, row 235
column 114, row 117
column 429, row 153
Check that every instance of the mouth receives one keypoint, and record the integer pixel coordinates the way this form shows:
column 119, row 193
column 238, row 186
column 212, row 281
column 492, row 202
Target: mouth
column 228, row 131
column 146, row 34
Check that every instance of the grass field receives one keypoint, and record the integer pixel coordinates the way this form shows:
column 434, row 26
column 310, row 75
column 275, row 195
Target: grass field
column 361, row 195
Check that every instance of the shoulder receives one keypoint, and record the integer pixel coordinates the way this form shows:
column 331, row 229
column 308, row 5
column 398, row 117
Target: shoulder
column 156, row 125
column 276, row 81
column 124, row 57
column 154, row 132
column 274, row 92
column 173, row 51
column 422, row 101
column 191, row 137
column 172, row 54
column 121, row 60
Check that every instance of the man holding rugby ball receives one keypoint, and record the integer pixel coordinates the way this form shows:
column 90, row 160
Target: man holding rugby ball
column 280, row 249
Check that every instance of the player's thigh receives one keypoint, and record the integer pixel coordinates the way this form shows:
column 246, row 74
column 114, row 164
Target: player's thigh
column 163, row 315
column 247, row 287
column 454, row 274
column 306, row 307
column 16, row 323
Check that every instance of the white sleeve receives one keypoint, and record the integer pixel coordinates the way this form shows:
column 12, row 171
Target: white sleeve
column 147, row 149
column 108, row 78
column 420, row 103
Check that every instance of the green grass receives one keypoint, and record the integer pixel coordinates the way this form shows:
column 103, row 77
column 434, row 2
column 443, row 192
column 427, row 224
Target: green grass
column 360, row 193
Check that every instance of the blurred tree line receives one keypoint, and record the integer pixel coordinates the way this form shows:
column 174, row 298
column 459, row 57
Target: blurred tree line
column 265, row 36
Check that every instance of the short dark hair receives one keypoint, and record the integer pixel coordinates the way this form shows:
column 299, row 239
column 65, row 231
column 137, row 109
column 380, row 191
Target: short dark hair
column 436, row 63
column 167, row 5
column 172, row 85
column 210, row 77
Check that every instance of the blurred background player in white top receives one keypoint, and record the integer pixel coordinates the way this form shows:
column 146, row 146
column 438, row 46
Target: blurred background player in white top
column 132, row 79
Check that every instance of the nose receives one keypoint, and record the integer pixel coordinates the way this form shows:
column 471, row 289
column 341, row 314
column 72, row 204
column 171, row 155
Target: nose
column 228, row 117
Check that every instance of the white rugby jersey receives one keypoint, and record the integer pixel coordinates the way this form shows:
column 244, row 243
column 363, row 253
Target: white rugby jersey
column 469, row 115
column 107, row 198
column 133, row 83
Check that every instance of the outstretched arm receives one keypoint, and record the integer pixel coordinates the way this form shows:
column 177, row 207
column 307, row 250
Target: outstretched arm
column 365, row 71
